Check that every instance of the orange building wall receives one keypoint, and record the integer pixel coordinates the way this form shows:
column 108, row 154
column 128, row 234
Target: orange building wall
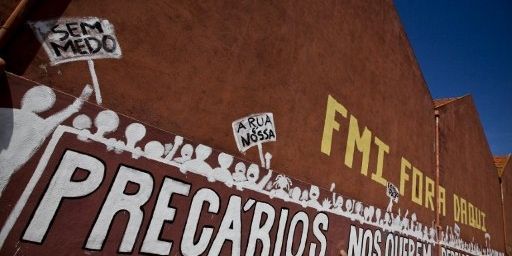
column 467, row 171
column 506, row 185
column 192, row 68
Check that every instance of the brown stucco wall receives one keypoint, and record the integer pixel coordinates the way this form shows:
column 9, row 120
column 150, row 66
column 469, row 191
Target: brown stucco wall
column 193, row 68
column 467, row 169
column 506, row 185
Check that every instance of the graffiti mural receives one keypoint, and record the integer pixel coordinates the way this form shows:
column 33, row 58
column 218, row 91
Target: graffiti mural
column 105, row 182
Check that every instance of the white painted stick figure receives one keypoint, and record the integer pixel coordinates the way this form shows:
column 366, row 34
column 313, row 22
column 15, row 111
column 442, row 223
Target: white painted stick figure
column 359, row 211
column 396, row 220
column 29, row 130
column 106, row 122
column 154, row 149
column 314, row 194
column 134, row 133
column 456, row 229
column 239, row 175
column 186, row 154
column 304, row 198
column 487, row 240
column 281, row 187
column 337, row 203
column 368, row 213
column 178, row 140
column 253, row 174
column 327, row 204
column 390, row 204
column 378, row 213
column 349, row 208
column 405, row 221
column 424, row 235
column 198, row 165
column 387, row 221
column 295, row 194
column 222, row 172
column 82, row 123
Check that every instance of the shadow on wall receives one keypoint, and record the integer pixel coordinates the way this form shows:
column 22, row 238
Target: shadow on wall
column 7, row 115
column 23, row 46
column 27, row 131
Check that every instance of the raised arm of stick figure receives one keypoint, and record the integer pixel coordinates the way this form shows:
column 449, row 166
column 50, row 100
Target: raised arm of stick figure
column 178, row 140
column 264, row 180
column 29, row 130
column 55, row 120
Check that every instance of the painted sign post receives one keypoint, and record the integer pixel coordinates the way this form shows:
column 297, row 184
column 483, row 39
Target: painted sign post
column 74, row 39
column 254, row 130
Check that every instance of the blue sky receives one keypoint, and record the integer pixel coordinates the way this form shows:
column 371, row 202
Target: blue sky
column 465, row 47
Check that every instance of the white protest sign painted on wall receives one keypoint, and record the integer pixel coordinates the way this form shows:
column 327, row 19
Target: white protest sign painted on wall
column 73, row 39
column 392, row 191
column 253, row 130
